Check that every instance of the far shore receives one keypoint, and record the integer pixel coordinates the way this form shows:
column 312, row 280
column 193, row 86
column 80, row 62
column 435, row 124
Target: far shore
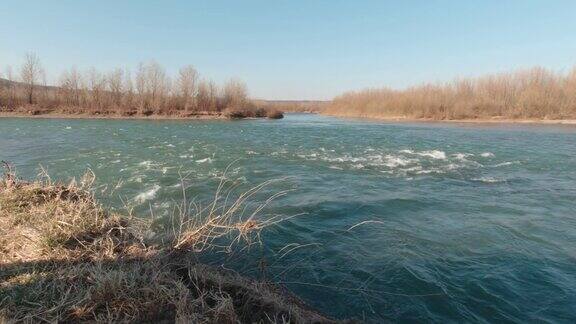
column 201, row 116
column 494, row 120
column 220, row 116
column 110, row 116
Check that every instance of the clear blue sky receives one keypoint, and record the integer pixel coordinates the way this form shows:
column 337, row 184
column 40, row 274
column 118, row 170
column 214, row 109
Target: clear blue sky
column 307, row 49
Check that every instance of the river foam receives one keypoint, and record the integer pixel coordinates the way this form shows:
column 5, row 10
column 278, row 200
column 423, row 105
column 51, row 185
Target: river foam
column 147, row 195
column 405, row 162
column 206, row 160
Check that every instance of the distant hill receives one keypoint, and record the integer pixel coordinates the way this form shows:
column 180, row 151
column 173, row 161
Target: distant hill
column 5, row 83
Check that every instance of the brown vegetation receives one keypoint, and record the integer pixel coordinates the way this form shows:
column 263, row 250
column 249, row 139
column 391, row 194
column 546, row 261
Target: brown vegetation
column 253, row 112
column 532, row 94
column 302, row 106
column 275, row 114
column 64, row 258
column 146, row 92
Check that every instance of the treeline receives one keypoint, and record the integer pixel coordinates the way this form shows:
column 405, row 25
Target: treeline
column 148, row 90
column 535, row 93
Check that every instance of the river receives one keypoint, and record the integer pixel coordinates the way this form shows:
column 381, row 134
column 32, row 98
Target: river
column 397, row 222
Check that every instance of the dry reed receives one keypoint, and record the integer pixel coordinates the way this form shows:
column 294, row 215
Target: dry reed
column 537, row 93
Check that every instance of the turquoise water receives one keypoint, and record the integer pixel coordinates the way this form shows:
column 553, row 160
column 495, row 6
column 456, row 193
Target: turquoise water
column 472, row 223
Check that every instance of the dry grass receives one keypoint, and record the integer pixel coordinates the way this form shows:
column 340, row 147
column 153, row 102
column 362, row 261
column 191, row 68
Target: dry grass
column 40, row 220
column 532, row 94
column 65, row 258
column 197, row 228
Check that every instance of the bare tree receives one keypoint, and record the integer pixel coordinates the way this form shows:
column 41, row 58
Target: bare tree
column 157, row 83
column 213, row 95
column 116, row 91
column 115, row 85
column 207, row 97
column 203, row 96
column 128, row 97
column 187, row 85
column 141, row 87
column 96, row 85
column 30, row 73
column 44, row 80
column 70, row 84
column 235, row 94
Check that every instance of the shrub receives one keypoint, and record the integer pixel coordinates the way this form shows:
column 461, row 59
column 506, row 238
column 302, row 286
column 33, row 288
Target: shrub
column 234, row 113
column 275, row 114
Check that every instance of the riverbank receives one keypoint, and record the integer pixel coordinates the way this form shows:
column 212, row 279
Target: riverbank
column 64, row 258
column 193, row 116
column 111, row 116
column 530, row 95
column 494, row 120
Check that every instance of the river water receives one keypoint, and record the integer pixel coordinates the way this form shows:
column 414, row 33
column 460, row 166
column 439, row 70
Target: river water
column 394, row 222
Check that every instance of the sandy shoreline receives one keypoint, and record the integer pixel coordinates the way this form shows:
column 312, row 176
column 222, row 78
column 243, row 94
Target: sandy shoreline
column 465, row 121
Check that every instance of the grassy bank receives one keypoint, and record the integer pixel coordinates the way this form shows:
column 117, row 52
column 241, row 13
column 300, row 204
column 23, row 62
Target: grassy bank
column 64, row 258
column 530, row 95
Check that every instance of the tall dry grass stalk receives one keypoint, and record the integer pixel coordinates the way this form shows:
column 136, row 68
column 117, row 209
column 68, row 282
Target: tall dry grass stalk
column 64, row 258
column 233, row 218
column 537, row 93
